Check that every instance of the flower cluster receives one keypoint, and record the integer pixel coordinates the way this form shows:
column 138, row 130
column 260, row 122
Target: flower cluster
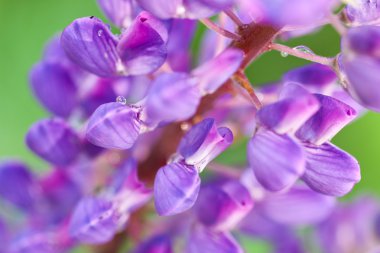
column 138, row 116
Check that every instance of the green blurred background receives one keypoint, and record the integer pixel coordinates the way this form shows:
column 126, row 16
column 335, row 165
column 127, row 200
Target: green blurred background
column 25, row 27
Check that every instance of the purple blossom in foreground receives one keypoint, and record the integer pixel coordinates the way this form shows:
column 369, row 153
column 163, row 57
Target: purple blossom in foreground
column 142, row 127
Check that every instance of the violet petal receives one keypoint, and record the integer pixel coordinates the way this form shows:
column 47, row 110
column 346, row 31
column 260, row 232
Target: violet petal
column 221, row 207
column 54, row 141
column 90, row 43
column 18, row 185
column 55, row 89
column 176, row 188
column 277, row 160
column 203, row 142
column 203, row 240
column 142, row 47
column 94, row 221
column 289, row 114
column 332, row 116
column 218, row 70
column 173, row 97
column 113, row 126
column 299, row 206
column 330, row 170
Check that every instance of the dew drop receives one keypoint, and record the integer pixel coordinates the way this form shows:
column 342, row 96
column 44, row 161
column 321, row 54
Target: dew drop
column 284, row 54
column 304, row 49
column 121, row 100
column 100, row 33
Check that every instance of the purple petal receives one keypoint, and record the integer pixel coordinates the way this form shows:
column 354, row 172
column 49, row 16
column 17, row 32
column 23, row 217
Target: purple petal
column 363, row 11
column 204, row 142
column 176, row 188
column 94, row 221
column 181, row 35
column 315, row 76
column 350, row 226
column 203, row 240
column 130, row 192
column 289, row 114
column 222, row 207
column 332, row 116
column 54, row 141
column 53, row 86
column 61, row 194
column 299, row 206
column 4, row 236
column 363, row 81
column 330, row 170
column 215, row 72
column 18, row 185
column 197, row 9
column 156, row 244
column 113, row 126
column 100, row 91
column 363, row 40
column 90, row 44
column 173, row 97
column 287, row 12
column 193, row 9
column 50, row 241
column 120, row 12
column 142, row 46
column 163, row 9
column 277, row 160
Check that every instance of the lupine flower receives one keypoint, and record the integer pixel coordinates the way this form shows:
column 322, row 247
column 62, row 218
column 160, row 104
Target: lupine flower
column 140, row 49
column 54, row 141
column 139, row 118
column 362, row 11
column 177, row 184
column 185, row 9
column 359, row 63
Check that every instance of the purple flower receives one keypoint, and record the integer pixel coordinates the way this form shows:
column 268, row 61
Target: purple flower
column 155, row 244
column 18, row 185
column 277, row 160
column 360, row 62
column 363, row 11
column 221, row 207
column 202, row 239
column 120, row 12
column 213, row 73
column 330, row 170
column 351, row 226
column 287, row 12
column 314, row 76
column 293, row 109
column 185, row 9
column 94, row 221
column 203, row 142
column 173, row 97
column 332, row 116
column 54, row 88
column 140, row 50
column 176, row 188
column 54, row 141
column 114, row 126
column 299, row 206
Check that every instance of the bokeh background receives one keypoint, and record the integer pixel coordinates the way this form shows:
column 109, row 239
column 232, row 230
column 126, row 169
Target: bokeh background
column 25, row 27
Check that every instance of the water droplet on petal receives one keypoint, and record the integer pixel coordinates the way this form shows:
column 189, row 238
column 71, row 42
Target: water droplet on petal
column 304, row 49
column 100, row 33
column 284, row 54
column 122, row 100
